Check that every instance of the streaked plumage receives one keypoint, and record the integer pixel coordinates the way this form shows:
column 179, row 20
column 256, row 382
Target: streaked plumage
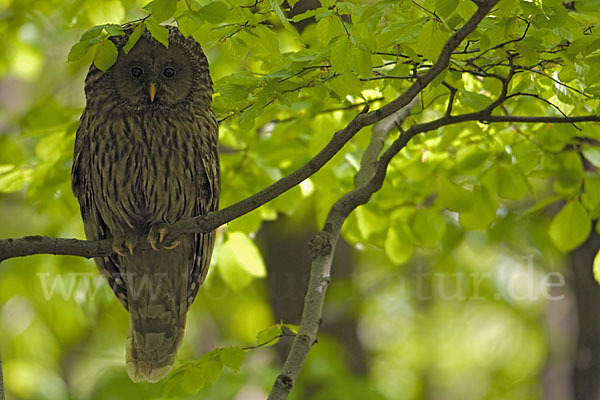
column 145, row 157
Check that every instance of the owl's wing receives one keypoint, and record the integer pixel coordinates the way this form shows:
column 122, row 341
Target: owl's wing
column 93, row 224
column 207, row 200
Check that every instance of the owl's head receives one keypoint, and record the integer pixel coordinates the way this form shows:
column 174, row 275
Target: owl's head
column 152, row 76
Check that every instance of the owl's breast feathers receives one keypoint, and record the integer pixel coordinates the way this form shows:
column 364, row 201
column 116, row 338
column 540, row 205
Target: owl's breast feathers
column 153, row 168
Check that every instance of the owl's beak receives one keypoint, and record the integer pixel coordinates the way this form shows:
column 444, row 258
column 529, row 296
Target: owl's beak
column 152, row 91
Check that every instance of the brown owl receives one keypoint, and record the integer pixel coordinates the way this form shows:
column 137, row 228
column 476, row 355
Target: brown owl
column 146, row 155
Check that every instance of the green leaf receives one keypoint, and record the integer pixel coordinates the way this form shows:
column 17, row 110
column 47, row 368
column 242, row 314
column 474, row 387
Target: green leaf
column 192, row 379
column 364, row 64
column 471, row 157
column 78, row 51
column 293, row 328
column 158, row 31
column 211, row 369
column 445, row 7
column 247, row 254
column 92, row 33
column 431, row 39
column 428, row 227
column 12, row 178
column 570, row 227
column 233, row 357
column 474, row 101
column 88, row 39
column 596, row 267
column 512, row 184
column 114, row 30
column 163, row 10
column 106, row 55
column 189, row 23
column 340, row 54
column 328, row 28
column 540, row 205
column 483, row 212
column 454, row 197
column 592, row 154
column 590, row 197
column 398, row 244
column 370, row 222
column 282, row 18
column 268, row 41
column 134, row 37
column 240, row 261
column 569, row 176
column 268, row 336
column 214, row 12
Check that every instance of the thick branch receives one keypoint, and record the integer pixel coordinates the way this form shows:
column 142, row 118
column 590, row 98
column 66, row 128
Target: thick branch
column 31, row 245
column 42, row 245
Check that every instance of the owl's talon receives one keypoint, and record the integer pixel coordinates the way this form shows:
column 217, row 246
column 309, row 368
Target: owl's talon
column 123, row 244
column 118, row 250
column 156, row 236
column 153, row 244
column 172, row 245
column 161, row 234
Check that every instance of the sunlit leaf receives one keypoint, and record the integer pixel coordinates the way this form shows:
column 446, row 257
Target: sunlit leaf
column 592, row 154
column 428, row 227
column 158, row 31
column 398, row 245
column 483, row 212
column 106, row 55
column 214, row 12
column 570, row 227
column 233, row 357
column 240, row 261
column 134, row 37
column 596, row 267
column 268, row 336
column 163, row 10
column 211, row 370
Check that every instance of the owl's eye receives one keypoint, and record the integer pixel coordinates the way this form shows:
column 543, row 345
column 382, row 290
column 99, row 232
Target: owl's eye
column 136, row 72
column 169, row 72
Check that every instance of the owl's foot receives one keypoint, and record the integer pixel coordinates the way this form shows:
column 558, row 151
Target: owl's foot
column 157, row 235
column 123, row 244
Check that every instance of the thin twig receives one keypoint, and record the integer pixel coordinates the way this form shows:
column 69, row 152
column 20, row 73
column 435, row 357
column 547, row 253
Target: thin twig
column 453, row 91
column 557, row 108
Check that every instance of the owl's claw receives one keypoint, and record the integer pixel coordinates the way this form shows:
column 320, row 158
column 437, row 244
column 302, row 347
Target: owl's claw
column 172, row 245
column 157, row 235
column 124, row 244
column 118, row 250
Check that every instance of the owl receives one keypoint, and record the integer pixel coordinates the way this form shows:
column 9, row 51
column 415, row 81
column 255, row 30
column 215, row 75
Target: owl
column 146, row 155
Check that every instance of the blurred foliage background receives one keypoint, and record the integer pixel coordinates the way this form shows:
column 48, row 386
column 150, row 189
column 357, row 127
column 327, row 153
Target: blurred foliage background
column 455, row 281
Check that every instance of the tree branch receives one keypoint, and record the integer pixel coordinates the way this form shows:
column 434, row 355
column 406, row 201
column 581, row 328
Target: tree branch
column 10, row 248
column 31, row 245
column 323, row 245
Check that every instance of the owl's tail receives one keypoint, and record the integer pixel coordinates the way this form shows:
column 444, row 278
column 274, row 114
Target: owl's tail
column 157, row 302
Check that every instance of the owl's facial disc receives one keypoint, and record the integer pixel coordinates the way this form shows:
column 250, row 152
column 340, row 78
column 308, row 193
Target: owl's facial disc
column 152, row 76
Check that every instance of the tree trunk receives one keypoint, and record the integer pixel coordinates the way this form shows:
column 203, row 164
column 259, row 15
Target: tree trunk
column 586, row 365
